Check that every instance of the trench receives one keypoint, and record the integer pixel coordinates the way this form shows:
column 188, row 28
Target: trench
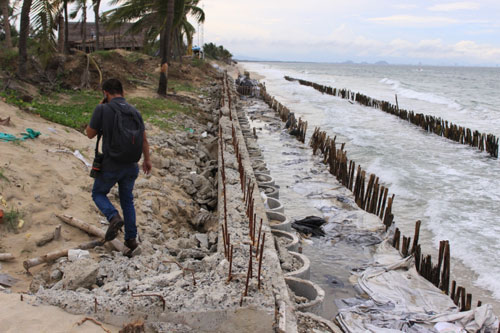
column 306, row 188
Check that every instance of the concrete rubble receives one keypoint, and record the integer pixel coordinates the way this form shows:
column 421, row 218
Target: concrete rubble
column 183, row 281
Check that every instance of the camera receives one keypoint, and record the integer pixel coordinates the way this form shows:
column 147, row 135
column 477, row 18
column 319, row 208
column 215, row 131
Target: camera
column 96, row 165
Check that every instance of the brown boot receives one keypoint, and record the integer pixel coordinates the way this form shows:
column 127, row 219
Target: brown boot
column 131, row 244
column 115, row 225
column 134, row 248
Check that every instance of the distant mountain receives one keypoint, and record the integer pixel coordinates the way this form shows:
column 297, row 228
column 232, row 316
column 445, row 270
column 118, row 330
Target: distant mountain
column 382, row 62
column 348, row 62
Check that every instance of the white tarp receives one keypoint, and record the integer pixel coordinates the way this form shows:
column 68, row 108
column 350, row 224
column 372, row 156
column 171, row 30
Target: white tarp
column 402, row 300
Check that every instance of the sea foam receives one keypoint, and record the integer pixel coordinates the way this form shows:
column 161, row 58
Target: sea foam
column 422, row 96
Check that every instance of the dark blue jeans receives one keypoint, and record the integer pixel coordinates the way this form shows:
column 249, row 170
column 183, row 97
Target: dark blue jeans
column 102, row 185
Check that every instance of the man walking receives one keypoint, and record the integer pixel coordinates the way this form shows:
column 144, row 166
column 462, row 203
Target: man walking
column 124, row 141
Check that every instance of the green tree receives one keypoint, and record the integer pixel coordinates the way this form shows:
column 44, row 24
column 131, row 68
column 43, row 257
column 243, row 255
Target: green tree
column 155, row 18
column 81, row 5
column 213, row 51
column 165, row 48
column 95, row 5
column 4, row 4
column 23, row 37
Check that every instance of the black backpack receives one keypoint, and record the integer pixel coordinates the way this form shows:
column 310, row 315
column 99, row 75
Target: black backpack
column 128, row 135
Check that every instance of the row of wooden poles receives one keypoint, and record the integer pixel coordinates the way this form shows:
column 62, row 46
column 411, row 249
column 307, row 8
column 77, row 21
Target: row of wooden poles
column 247, row 188
column 246, row 90
column 374, row 198
column 295, row 128
column 436, row 125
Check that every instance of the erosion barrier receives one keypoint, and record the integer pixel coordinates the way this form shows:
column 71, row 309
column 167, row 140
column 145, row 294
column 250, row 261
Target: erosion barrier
column 295, row 128
column 373, row 197
column 251, row 263
column 435, row 125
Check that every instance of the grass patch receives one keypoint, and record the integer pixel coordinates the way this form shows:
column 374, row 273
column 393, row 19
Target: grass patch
column 105, row 55
column 11, row 219
column 74, row 108
column 134, row 56
column 182, row 86
column 74, row 112
column 158, row 111
column 196, row 62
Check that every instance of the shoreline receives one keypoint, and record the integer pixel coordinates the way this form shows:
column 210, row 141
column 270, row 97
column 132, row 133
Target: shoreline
column 485, row 295
column 180, row 231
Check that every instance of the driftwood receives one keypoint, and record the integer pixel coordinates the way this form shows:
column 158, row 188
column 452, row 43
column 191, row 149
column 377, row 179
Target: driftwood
column 58, row 254
column 93, row 230
column 49, row 237
column 6, row 256
column 95, row 322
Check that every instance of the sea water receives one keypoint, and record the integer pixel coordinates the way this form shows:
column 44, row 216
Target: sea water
column 452, row 188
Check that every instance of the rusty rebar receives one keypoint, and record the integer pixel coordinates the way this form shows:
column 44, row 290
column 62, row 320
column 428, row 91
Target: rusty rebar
column 258, row 240
column 152, row 295
column 249, row 272
column 260, row 260
column 225, row 241
column 230, row 276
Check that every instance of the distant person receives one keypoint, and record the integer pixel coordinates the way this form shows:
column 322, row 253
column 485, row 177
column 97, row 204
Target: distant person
column 124, row 141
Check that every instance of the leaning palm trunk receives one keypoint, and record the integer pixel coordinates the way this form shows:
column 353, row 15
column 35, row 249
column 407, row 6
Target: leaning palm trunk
column 165, row 52
column 6, row 23
column 23, row 37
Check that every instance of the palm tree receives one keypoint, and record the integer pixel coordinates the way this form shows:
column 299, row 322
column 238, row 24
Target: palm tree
column 182, row 27
column 165, row 48
column 187, row 28
column 23, row 37
column 66, row 24
column 81, row 5
column 95, row 5
column 155, row 18
column 6, row 22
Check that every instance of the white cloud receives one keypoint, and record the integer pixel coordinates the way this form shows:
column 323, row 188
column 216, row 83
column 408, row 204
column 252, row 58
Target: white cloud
column 405, row 6
column 452, row 6
column 412, row 20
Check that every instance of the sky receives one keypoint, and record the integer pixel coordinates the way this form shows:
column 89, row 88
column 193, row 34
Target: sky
column 399, row 32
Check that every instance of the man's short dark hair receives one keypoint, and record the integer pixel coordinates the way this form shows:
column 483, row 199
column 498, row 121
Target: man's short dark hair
column 113, row 86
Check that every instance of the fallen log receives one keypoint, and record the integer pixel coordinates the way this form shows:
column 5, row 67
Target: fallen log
column 93, row 230
column 6, row 256
column 58, row 254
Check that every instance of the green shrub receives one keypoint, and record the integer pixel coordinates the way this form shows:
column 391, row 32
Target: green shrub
column 8, row 59
column 11, row 218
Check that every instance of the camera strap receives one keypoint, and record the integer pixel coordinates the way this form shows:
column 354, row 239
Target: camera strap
column 97, row 144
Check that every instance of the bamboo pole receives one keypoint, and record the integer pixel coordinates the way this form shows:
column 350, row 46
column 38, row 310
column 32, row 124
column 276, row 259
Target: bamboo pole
column 6, row 256
column 58, row 254
column 90, row 229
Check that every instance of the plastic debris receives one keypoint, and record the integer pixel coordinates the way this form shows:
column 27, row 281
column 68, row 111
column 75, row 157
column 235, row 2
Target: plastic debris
column 77, row 254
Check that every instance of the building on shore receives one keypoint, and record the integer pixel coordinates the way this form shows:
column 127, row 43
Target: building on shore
column 109, row 38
